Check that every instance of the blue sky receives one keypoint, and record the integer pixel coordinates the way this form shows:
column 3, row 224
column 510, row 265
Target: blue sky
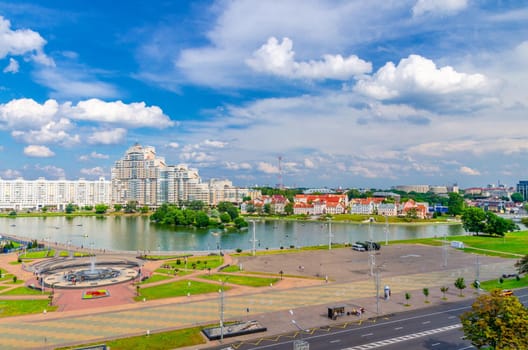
column 349, row 93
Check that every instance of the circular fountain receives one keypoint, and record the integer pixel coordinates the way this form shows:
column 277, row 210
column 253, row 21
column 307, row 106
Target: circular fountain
column 83, row 272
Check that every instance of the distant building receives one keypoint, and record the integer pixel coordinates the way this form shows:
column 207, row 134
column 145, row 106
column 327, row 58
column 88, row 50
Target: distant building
column 23, row 194
column 412, row 188
column 522, row 188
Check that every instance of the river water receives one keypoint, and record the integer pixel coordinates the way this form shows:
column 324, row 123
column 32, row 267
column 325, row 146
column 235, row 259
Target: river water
column 138, row 233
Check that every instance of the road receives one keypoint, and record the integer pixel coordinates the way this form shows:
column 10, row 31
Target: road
column 428, row 329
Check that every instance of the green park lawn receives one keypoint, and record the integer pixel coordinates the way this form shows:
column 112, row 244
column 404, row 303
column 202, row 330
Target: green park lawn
column 156, row 278
column 196, row 262
column 241, row 279
column 24, row 307
column 508, row 283
column 156, row 341
column 176, row 289
column 38, row 255
column 512, row 243
column 24, row 291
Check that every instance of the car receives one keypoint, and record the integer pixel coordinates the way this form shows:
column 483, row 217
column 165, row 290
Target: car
column 372, row 245
column 507, row 293
column 358, row 247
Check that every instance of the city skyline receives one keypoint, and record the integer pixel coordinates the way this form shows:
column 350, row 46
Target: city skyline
column 347, row 93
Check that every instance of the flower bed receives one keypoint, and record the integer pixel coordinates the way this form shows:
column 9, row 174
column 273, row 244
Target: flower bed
column 94, row 294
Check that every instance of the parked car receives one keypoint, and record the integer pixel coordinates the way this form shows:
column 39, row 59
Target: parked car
column 369, row 245
column 358, row 247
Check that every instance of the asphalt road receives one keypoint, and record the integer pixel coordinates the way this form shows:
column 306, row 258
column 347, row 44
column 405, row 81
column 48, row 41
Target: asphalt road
column 432, row 328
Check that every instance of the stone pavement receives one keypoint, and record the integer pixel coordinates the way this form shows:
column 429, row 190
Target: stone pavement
column 269, row 306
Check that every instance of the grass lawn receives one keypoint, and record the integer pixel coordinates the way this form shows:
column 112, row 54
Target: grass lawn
column 513, row 242
column 156, row 278
column 38, row 255
column 231, row 268
column 170, row 272
column 241, row 279
column 196, row 262
column 155, row 341
column 24, row 307
column 24, row 291
column 508, row 283
column 176, row 289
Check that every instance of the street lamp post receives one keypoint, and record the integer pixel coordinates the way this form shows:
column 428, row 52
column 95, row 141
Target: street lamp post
column 254, row 240
column 221, row 291
column 329, row 233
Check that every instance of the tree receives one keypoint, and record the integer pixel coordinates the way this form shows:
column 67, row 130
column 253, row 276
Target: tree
column 474, row 220
column 225, row 218
column 496, row 225
column 288, row 208
column 267, row 208
column 426, row 294
column 118, row 207
column 229, row 208
column 70, row 208
column 101, row 208
column 202, row 220
column 131, row 207
column 407, row 298
column 460, row 284
column 517, row 197
column 500, row 322
column 455, row 204
column 522, row 265
column 240, row 222
column 144, row 209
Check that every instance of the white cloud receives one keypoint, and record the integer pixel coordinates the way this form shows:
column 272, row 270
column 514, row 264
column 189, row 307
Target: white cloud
column 12, row 67
column 417, row 76
column 107, row 137
column 21, row 42
column 38, row 151
column 308, row 163
column 468, row 171
column 10, row 174
column 173, row 145
column 278, row 58
column 214, row 144
column 93, row 155
column 52, row 132
column 52, row 171
column 25, row 113
column 135, row 114
column 67, row 83
column 438, row 7
column 267, row 168
column 96, row 171
column 196, row 157
column 238, row 166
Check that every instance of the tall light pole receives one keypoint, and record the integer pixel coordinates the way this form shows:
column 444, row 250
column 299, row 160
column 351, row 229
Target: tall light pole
column 386, row 230
column 444, row 251
column 254, row 240
column 477, row 273
column 329, row 233
column 221, row 291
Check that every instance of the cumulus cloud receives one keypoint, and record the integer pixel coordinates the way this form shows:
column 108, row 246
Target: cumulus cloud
column 27, row 113
column 10, row 174
column 21, row 42
column 51, row 170
column 12, row 67
column 135, row 114
column 279, row 59
column 52, row 132
column 107, row 137
column 238, row 166
column 173, row 145
column 267, row 168
column 93, row 155
column 96, row 171
column 196, row 157
column 38, row 151
column 308, row 163
column 214, row 144
column 438, row 7
column 468, row 171
column 417, row 76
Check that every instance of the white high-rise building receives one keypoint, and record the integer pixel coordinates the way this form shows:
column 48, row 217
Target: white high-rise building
column 36, row 194
column 135, row 176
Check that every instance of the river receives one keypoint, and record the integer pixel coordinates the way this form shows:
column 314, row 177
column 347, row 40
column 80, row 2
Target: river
column 138, row 233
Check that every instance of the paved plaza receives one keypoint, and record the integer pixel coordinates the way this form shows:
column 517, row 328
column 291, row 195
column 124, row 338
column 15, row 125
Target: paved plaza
column 313, row 281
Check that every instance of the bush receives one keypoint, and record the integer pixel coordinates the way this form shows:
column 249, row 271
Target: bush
column 178, row 262
column 238, row 250
column 14, row 279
